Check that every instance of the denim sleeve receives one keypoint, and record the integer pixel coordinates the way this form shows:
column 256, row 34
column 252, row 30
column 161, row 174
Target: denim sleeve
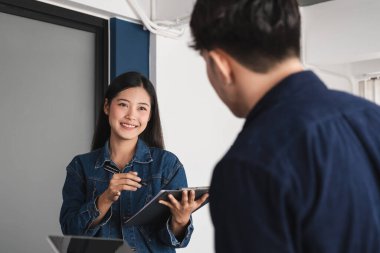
column 177, row 179
column 77, row 212
column 167, row 235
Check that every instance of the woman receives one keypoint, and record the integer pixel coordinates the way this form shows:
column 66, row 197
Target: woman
column 126, row 168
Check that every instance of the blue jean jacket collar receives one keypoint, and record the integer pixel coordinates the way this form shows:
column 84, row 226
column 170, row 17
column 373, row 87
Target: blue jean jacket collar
column 142, row 154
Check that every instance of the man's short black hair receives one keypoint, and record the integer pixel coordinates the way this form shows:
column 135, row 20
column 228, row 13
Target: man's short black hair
column 257, row 33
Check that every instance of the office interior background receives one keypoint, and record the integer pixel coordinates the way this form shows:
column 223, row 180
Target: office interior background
column 57, row 57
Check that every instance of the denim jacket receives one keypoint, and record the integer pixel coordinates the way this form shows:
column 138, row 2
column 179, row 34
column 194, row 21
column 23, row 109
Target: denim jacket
column 86, row 179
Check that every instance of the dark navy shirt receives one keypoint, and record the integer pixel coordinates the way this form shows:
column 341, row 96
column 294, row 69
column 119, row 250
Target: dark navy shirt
column 302, row 176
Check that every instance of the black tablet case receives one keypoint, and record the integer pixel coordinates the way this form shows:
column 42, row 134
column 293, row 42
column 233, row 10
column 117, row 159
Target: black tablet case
column 154, row 212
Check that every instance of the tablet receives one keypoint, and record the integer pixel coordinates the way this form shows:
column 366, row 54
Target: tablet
column 154, row 212
column 82, row 244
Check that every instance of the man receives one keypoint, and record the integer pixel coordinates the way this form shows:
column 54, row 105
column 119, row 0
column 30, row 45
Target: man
column 303, row 174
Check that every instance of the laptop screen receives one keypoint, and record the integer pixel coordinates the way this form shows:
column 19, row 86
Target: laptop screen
column 81, row 244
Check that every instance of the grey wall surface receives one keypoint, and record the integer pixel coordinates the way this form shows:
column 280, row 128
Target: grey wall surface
column 46, row 117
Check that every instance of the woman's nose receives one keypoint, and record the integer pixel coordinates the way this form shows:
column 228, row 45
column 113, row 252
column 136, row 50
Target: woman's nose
column 130, row 114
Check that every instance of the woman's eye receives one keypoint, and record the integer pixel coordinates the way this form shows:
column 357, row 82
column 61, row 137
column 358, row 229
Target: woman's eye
column 142, row 108
column 122, row 104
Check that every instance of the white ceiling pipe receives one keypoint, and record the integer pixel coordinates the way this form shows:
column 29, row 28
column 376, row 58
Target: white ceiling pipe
column 170, row 29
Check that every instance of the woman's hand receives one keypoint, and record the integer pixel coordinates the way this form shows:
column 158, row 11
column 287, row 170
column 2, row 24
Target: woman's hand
column 181, row 210
column 121, row 182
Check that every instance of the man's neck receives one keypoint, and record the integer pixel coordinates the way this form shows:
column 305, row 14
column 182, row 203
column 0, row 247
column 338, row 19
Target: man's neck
column 254, row 86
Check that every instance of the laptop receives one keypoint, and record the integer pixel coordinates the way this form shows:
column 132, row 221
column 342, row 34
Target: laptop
column 83, row 244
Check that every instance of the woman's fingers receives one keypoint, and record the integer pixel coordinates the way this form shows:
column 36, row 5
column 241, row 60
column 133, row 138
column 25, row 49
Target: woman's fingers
column 192, row 196
column 200, row 201
column 122, row 182
column 187, row 201
column 126, row 175
column 129, row 182
column 181, row 210
column 174, row 202
column 166, row 203
column 185, row 198
column 126, row 181
column 116, row 192
column 116, row 195
column 123, row 187
column 132, row 175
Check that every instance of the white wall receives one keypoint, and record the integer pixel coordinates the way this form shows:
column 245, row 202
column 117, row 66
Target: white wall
column 198, row 127
column 342, row 31
column 171, row 9
column 341, row 36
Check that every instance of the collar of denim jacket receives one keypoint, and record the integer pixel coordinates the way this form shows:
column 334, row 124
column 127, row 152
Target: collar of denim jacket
column 142, row 154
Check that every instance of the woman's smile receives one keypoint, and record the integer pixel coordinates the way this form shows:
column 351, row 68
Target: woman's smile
column 128, row 126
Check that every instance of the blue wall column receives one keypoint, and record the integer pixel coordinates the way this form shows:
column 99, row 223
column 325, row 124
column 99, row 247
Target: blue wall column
column 129, row 48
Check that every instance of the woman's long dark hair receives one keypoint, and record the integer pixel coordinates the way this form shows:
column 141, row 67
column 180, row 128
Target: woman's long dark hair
column 152, row 135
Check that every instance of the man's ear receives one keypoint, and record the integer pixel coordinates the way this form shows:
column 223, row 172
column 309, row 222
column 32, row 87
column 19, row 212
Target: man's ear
column 106, row 107
column 222, row 64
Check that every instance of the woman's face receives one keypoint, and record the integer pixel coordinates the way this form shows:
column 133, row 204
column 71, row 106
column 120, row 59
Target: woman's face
column 128, row 113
